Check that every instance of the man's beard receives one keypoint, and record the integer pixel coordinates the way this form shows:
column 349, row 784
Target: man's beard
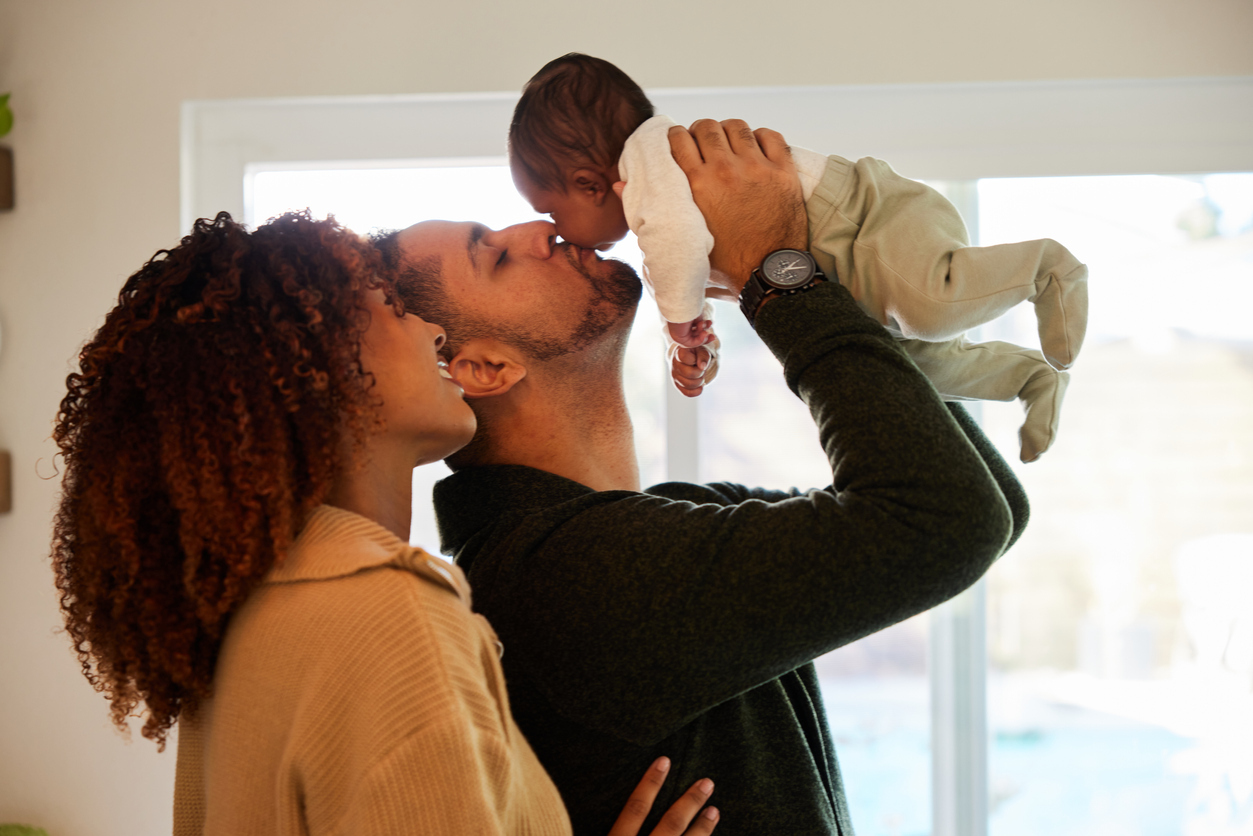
column 617, row 294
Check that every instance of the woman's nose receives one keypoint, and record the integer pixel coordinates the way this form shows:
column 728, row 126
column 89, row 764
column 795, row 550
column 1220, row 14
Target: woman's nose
column 440, row 336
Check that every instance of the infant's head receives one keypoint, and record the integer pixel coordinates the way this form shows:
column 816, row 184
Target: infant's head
column 567, row 133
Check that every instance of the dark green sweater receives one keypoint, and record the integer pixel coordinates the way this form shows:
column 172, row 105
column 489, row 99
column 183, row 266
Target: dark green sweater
column 681, row 621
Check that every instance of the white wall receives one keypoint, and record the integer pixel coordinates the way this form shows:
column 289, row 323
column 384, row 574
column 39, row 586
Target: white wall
column 96, row 90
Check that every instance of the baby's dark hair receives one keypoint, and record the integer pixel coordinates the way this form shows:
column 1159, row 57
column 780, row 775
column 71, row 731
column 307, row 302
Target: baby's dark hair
column 577, row 110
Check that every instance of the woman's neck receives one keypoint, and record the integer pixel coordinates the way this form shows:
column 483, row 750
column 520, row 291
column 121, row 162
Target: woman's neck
column 377, row 483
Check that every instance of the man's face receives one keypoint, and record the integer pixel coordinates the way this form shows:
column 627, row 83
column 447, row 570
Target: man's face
column 516, row 285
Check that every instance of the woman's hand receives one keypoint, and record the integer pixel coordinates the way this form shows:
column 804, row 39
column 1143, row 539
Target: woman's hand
column 675, row 821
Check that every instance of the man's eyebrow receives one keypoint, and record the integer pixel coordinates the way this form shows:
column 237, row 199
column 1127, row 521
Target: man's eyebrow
column 477, row 231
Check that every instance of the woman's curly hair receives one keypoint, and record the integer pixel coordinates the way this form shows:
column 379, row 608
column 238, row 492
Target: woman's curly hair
column 210, row 414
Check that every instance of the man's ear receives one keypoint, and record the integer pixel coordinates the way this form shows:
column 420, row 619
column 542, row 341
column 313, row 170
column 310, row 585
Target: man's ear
column 485, row 369
column 590, row 184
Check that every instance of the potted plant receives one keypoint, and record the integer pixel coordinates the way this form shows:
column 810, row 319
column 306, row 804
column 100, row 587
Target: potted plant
column 6, row 155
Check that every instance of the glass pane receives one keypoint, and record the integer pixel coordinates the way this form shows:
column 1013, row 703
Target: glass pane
column 754, row 431
column 367, row 199
column 1121, row 626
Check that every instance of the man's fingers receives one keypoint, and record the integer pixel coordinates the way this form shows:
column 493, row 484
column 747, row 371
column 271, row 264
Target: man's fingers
column 773, row 145
column 740, row 137
column 710, row 137
column 674, row 822
column 683, row 149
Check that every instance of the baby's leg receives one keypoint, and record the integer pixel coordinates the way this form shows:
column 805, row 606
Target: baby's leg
column 902, row 250
column 975, row 285
column 1044, row 273
column 997, row 371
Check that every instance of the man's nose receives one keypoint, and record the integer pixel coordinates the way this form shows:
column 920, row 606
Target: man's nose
column 535, row 237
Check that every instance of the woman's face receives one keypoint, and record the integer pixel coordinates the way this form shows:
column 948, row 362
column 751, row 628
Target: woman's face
column 421, row 403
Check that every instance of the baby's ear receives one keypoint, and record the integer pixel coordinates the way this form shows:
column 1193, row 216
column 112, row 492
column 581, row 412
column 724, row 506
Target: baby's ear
column 591, row 184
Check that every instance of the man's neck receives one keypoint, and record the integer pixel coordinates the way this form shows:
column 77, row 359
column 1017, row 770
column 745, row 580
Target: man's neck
column 578, row 429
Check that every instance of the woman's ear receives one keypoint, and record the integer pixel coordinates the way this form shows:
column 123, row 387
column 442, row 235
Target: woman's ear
column 590, row 184
column 484, row 369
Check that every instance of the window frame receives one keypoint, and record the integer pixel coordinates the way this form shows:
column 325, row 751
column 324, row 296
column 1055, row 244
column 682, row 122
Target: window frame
column 957, row 133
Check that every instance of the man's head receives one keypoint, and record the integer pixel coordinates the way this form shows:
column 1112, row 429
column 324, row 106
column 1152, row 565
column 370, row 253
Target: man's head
column 514, row 305
column 568, row 130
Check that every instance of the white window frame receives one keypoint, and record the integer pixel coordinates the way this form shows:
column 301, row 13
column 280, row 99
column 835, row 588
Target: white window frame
column 942, row 132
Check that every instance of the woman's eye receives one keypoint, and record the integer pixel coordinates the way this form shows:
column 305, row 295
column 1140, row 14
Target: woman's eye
column 501, row 260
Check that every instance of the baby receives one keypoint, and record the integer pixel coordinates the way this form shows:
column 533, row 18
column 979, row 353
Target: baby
column 901, row 249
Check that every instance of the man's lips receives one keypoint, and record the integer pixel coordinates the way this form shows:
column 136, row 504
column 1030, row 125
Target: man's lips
column 584, row 253
column 581, row 255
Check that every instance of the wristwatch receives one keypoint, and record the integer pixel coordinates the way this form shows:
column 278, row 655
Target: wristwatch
column 782, row 273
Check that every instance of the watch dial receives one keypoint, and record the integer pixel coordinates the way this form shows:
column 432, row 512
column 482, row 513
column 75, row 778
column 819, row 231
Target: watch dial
column 786, row 269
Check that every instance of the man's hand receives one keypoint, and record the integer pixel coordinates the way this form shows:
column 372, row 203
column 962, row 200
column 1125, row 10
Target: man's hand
column 745, row 184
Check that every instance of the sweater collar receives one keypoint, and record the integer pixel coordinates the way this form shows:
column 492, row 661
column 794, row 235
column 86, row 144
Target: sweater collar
column 335, row 543
column 473, row 499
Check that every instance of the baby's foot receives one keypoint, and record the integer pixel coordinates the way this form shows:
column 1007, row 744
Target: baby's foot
column 1061, row 304
column 1041, row 400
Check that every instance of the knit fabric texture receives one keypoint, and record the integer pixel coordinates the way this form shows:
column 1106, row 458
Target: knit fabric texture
column 682, row 621
column 357, row 693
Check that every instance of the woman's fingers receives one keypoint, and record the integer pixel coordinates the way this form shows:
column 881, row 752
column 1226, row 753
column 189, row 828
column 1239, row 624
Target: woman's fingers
column 641, row 801
column 676, row 820
column 682, row 812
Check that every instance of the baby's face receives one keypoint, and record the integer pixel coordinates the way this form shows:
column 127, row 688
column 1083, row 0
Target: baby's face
column 586, row 217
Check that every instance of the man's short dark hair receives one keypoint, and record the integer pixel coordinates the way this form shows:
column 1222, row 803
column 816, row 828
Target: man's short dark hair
column 577, row 110
column 420, row 287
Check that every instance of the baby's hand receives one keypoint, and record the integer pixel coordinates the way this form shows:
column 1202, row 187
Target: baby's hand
column 688, row 368
column 692, row 334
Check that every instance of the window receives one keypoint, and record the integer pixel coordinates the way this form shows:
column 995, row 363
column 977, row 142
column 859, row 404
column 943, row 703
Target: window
column 1067, row 647
column 1121, row 628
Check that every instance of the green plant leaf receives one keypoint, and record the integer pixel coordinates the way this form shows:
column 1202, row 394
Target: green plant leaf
column 21, row 830
column 6, row 115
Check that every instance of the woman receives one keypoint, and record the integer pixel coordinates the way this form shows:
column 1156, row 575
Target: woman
column 231, row 550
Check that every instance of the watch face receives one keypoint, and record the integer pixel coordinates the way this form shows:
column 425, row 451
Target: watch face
column 786, row 269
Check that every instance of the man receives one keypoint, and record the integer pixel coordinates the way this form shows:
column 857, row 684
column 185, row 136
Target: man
column 682, row 620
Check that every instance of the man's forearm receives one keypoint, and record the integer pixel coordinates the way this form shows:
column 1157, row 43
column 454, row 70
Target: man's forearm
column 1011, row 488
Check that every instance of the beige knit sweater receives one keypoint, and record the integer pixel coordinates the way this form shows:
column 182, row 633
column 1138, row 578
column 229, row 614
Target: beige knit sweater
column 356, row 692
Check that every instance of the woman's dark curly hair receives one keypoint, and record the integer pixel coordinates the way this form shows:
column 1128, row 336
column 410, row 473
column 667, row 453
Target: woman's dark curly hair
column 210, row 414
